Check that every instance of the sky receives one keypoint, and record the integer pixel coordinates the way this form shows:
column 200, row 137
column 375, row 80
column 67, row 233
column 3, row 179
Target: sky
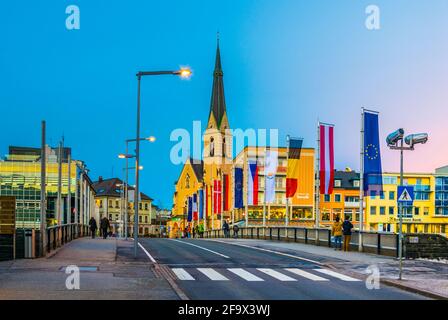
column 287, row 64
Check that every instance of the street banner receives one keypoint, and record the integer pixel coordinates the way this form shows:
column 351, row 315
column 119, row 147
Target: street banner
column 252, row 193
column 238, row 185
column 326, row 162
column 195, row 207
column 201, row 204
column 292, row 172
column 373, row 180
column 190, row 209
column 270, row 170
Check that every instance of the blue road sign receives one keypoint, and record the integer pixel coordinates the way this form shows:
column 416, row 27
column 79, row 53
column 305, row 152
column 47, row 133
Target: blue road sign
column 405, row 195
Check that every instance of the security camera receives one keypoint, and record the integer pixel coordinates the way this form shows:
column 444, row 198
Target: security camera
column 416, row 138
column 394, row 137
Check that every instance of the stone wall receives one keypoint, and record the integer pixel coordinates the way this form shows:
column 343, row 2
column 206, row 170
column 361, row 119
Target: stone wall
column 431, row 246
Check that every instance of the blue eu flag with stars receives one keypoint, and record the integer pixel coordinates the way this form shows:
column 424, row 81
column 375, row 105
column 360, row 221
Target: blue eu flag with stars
column 373, row 179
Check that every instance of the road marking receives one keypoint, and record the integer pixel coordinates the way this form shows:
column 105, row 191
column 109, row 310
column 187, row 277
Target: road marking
column 194, row 245
column 147, row 253
column 336, row 275
column 267, row 250
column 275, row 274
column 244, row 274
column 305, row 274
column 212, row 274
column 182, row 274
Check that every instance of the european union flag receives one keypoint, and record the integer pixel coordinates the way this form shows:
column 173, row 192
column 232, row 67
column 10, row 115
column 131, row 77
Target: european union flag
column 238, row 188
column 201, row 204
column 190, row 209
column 373, row 179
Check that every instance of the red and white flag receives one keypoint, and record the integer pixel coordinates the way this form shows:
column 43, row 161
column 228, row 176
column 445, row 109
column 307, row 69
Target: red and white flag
column 217, row 196
column 326, row 164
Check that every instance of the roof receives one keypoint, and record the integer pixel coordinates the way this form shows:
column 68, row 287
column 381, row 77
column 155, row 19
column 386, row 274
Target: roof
column 442, row 170
column 218, row 103
column 112, row 188
column 347, row 178
column 198, row 168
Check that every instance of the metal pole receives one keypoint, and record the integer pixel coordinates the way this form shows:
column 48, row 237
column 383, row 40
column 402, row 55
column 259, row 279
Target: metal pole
column 126, row 197
column 317, row 178
column 287, row 199
column 264, row 189
column 361, row 185
column 137, row 163
column 43, row 202
column 69, row 191
column 222, row 197
column 205, row 210
column 246, row 208
column 213, row 205
column 59, row 196
column 400, row 210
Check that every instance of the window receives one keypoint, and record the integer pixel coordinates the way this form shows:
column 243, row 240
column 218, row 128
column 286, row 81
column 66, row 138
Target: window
column 146, row 219
column 425, row 211
column 140, row 219
column 117, row 205
column 391, row 195
column 356, row 183
column 212, row 147
column 146, row 206
column 224, row 147
column 327, row 198
column 101, row 203
column 337, row 183
column 373, row 211
column 391, row 211
column 325, row 216
column 382, row 195
column 417, row 211
column 373, row 194
column 110, row 204
column 140, row 206
column 337, row 198
column 187, row 181
column 382, row 211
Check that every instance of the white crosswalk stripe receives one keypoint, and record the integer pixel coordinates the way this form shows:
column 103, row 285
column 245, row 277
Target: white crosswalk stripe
column 182, row 274
column 246, row 275
column 306, row 275
column 275, row 274
column 336, row 275
column 212, row 274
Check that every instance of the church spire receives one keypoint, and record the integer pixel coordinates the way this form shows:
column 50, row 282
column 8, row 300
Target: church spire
column 218, row 103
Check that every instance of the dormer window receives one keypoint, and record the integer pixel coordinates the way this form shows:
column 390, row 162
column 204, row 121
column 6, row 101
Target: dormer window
column 187, row 181
column 337, row 183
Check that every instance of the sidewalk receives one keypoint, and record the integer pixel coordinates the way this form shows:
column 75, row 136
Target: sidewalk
column 108, row 270
column 419, row 276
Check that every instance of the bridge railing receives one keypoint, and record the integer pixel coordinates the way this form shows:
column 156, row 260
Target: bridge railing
column 57, row 236
column 381, row 243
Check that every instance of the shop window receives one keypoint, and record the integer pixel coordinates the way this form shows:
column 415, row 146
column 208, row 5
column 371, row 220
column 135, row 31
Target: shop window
column 373, row 211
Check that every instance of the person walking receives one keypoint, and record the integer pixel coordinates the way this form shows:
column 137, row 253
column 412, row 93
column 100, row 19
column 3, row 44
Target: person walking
column 235, row 231
column 105, row 225
column 93, row 227
column 347, row 227
column 336, row 232
column 201, row 230
column 226, row 229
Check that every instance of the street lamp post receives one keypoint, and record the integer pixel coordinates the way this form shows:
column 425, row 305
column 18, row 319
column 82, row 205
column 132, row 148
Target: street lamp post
column 395, row 142
column 184, row 73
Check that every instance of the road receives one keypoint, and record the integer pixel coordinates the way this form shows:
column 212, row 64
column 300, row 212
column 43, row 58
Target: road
column 209, row 270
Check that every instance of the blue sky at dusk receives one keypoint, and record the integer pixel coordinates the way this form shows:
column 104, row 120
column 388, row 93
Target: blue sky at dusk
column 286, row 65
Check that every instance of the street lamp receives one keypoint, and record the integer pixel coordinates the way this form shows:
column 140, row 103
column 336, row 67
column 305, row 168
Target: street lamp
column 395, row 142
column 183, row 73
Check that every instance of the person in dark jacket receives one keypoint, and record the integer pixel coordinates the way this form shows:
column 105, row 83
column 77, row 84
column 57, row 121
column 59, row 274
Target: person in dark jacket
column 226, row 229
column 93, row 227
column 105, row 225
column 235, row 230
column 347, row 227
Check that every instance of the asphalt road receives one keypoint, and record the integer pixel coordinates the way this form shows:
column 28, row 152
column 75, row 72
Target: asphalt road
column 208, row 270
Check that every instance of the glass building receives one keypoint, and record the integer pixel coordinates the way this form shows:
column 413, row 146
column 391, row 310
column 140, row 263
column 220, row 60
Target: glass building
column 441, row 204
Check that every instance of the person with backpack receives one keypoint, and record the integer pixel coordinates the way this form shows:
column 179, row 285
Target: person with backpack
column 347, row 227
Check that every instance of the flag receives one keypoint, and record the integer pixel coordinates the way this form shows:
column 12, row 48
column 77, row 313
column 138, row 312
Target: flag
column 292, row 172
column 326, row 165
column 201, row 204
column 270, row 170
column 190, row 209
column 252, row 190
column 238, row 185
column 373, row 180
column 217, row 198
column 195, row 206
column 226, row 192
column 207, row 201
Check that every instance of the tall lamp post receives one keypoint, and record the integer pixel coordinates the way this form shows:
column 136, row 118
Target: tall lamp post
column 184, row 73
column 395, row 142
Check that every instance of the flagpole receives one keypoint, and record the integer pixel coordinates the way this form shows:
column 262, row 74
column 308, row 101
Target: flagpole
column 361, row 184
column 204, row 208
column 264, row 190
column 317, row 179
column 287, row 199
column 213, row 205
column 246, row 209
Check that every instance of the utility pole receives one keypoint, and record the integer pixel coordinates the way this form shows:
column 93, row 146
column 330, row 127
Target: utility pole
column 69, row 192
column 43, row 202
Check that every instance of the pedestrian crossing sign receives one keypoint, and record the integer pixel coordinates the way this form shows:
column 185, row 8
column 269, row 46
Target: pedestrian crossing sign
column 405, row 195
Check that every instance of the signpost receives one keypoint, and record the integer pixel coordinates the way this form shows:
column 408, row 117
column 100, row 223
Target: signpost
column 405, row 199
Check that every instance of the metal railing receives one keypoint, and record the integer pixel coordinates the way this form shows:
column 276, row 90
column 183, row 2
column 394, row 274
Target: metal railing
column 57, row 236
column 372, row 242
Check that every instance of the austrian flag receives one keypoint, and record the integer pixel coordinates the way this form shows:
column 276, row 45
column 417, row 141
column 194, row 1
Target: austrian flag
column 326, row 163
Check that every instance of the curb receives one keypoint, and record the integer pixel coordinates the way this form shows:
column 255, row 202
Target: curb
column 393, row 283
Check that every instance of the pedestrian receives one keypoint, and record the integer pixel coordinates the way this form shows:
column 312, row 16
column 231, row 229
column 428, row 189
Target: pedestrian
column 196, row 230
column 193, row 230
column 201, row 230
column 336, row 232
column 226, row 229
column 188, row 231
column 347, row 227
column 105, row 225
column 235, row 231
column 93, row 227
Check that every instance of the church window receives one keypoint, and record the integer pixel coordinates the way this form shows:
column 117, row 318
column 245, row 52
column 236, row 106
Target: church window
column 212, row 147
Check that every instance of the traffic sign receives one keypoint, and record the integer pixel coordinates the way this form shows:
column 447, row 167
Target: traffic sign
column 405, row 195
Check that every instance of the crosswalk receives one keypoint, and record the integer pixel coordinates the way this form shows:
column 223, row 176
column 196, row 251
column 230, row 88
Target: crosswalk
column 260, row 274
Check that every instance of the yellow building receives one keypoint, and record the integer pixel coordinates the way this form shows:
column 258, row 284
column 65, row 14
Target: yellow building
column 110, row 203
column 422, row 217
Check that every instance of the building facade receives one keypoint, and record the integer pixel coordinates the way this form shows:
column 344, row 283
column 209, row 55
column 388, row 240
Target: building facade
column 110, row 203
column 20, row 174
